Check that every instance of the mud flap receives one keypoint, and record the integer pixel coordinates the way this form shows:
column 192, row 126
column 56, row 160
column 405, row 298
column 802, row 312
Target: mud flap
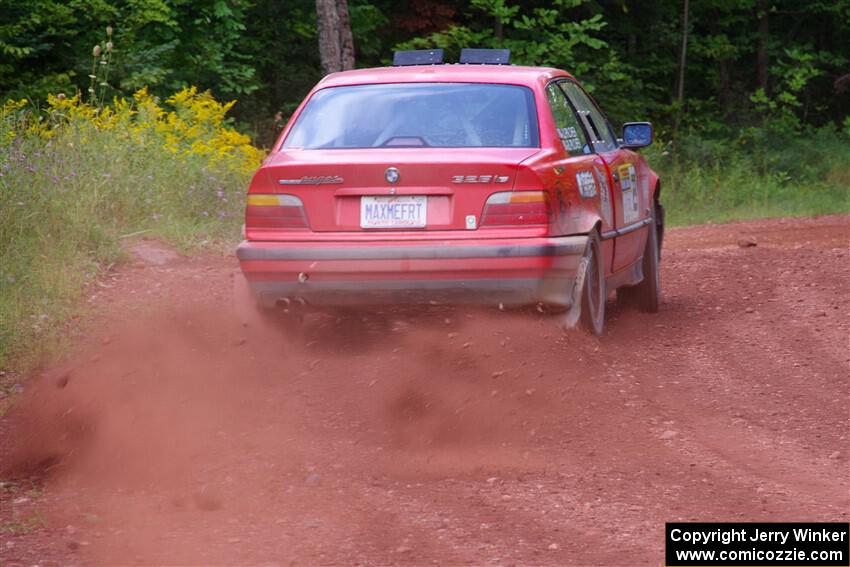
column 573, row 314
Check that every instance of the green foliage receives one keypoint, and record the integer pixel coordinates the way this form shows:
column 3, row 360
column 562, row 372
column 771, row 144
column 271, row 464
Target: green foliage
column 366, row 21
column 542, row 36
column 627, row 52
column 784, row 112
column 162, row 44
column 708, row 180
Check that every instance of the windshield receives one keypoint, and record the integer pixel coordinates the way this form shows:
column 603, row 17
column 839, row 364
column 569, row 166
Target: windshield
column 443, row 115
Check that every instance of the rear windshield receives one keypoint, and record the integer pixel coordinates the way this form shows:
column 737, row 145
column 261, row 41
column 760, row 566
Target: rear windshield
column 441, row 115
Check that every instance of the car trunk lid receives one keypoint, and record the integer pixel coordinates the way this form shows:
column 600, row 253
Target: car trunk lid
column 394, row 189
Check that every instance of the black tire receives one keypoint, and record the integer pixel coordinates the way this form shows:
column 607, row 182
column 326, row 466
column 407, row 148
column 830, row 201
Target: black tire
column 593, row 294
column 647, row 294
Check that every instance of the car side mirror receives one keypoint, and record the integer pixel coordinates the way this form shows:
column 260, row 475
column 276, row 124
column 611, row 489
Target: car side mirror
column 637, row 134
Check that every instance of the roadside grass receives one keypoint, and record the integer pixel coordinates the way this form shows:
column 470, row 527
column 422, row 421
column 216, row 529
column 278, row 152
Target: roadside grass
column 717, row 182
column 74, row 180
column 697, row 194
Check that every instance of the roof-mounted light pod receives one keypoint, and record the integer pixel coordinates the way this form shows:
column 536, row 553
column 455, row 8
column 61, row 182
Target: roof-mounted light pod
column 418, row 57
column 485, row 56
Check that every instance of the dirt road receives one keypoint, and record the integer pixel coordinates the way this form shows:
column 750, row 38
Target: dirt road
column 182, row 435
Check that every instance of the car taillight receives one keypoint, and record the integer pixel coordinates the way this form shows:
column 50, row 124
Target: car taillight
column 275, row 211
column 516, row 207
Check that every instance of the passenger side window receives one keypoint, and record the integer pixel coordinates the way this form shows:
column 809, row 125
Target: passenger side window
column 567, row 123
column 598, row 128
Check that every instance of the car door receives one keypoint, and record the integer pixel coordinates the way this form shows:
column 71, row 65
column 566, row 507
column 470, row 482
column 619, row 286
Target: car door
column 629, row 182
column 578, row 171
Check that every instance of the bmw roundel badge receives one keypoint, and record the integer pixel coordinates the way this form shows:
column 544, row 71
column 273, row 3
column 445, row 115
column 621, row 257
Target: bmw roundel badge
column 392, row 175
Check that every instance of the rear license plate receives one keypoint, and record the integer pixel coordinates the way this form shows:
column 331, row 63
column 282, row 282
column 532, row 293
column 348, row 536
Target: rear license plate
column 393, row 212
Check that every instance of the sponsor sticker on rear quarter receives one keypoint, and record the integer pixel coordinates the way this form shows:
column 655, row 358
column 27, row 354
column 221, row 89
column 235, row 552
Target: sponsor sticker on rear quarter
column 631, row 198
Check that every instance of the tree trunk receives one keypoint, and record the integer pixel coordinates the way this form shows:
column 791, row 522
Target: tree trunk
column 346, row 38
column 336, row 43
column 680, row 87
column 680, row 95
column 724, row 87
column 761, row 50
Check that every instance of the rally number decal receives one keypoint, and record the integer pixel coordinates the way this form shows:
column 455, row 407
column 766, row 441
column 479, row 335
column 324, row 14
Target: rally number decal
column 586, row 184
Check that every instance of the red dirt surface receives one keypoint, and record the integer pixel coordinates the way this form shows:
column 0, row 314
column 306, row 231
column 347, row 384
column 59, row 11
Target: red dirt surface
column 185, row 431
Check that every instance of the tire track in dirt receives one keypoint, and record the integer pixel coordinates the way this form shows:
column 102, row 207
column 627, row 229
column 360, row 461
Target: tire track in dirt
column 761, row 453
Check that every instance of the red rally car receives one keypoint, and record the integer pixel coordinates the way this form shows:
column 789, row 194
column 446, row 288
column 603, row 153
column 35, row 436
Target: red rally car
column 477, row 182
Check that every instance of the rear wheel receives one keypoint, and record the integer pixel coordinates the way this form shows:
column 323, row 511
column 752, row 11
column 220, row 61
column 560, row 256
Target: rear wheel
column 593, row 293
column 647, row 294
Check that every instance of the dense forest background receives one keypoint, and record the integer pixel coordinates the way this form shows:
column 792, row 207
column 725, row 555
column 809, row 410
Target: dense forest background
column 718, row 68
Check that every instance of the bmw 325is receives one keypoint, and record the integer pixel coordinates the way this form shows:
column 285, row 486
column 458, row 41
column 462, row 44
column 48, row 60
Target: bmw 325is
column 471, row 183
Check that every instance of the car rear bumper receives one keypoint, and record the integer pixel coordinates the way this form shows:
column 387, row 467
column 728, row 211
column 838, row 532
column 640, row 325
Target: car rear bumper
column 487, row 271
